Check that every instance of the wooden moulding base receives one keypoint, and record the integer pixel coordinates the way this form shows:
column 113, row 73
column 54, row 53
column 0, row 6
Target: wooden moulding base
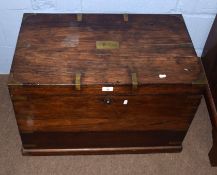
column 98, row 151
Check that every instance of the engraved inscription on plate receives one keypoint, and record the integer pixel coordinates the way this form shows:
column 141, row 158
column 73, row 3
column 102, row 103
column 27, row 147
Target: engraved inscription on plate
column 107, row 44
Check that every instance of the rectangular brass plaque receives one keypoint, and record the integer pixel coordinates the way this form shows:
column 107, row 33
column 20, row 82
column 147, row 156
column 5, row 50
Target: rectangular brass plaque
column 107, row 44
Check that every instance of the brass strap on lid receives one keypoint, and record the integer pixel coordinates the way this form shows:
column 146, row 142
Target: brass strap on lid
column 79, row 17
column 134, row 80
column 125, row 17
column 78, row 81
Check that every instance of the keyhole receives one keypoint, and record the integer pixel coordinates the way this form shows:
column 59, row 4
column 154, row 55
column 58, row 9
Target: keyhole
column 107, row 101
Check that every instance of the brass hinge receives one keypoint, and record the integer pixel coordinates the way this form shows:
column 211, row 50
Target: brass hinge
column 79, row 17
column 78, row 81
column 125, row 17
column 134, row 80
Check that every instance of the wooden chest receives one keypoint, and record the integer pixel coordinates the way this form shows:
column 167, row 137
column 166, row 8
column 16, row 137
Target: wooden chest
column 97, row 84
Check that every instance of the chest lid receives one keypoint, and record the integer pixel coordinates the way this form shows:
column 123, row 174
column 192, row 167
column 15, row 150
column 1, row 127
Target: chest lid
column 104, row 50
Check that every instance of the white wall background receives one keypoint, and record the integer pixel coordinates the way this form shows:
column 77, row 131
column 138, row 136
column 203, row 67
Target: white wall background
column 198, row 15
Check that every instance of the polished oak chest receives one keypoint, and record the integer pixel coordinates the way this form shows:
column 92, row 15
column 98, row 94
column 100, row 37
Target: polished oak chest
column 101, row 84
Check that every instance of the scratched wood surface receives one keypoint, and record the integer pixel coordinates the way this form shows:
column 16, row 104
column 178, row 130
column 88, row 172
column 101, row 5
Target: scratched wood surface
column 52, row 48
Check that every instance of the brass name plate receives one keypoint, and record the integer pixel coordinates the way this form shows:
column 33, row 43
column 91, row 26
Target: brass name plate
column 107, row 45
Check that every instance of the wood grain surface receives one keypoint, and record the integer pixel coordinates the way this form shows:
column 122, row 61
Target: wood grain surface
column 91, row 113
column 52, row 48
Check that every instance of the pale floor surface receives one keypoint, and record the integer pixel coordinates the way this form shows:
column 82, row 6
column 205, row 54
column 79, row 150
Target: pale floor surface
column 192, row 160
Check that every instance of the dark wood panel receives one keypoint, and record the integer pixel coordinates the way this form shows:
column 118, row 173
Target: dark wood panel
column 209, row 56
column 52, row 48
column 64, row 140
column 91, row 113
column 209, row 59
